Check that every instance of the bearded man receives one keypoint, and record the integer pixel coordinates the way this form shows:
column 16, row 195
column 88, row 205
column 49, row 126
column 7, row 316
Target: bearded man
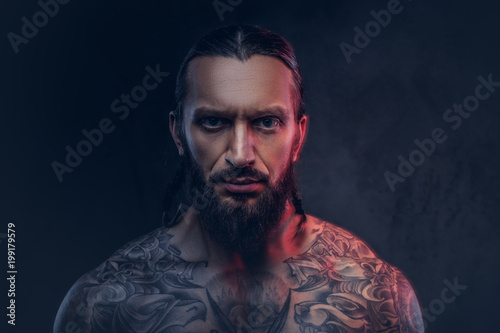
column 244, row 257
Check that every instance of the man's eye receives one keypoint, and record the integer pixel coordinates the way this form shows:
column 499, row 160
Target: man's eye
column 268, row 123
column 211, row 122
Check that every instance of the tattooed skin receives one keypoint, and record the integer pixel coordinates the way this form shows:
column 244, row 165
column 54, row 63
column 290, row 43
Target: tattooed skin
column 337, row 285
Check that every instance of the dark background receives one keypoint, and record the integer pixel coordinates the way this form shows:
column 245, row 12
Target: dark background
column 441, row 223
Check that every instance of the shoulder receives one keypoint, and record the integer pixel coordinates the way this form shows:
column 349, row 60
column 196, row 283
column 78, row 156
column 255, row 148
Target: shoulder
column 328, row 238
column 334, row 253
column 132, row 271
column 356, row 278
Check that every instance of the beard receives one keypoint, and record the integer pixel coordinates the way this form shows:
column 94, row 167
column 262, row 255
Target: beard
column 236, row 224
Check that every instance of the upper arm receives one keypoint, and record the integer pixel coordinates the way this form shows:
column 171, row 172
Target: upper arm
column 407, row 305
column 73, row 311
column 76, row 312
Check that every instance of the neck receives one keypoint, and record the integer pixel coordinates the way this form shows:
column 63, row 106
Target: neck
column 287, row 241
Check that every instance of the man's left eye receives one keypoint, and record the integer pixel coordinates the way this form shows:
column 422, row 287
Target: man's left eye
column 268, row 123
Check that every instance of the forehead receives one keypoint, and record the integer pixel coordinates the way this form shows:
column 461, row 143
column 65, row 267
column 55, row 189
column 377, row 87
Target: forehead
column 222, row 83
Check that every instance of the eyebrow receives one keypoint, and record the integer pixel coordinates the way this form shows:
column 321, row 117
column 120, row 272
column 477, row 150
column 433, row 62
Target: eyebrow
column 275, row 110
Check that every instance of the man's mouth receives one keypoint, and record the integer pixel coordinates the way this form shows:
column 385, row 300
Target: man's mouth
column 243, row 185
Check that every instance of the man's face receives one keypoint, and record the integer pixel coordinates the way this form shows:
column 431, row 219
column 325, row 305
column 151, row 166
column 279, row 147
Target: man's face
column 241, row 130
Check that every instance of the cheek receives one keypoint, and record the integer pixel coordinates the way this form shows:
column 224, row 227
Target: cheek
column 276, row 154
column 206, row 150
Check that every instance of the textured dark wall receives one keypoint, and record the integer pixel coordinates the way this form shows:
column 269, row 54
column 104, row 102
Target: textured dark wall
column 440, row 224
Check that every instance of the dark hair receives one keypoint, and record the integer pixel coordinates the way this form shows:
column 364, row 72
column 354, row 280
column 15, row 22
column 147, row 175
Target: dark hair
column 240, row 42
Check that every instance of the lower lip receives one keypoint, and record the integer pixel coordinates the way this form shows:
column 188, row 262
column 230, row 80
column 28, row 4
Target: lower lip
column 243, row 188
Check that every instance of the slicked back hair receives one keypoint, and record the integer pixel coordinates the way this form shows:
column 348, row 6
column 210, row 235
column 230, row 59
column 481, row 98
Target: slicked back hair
column 240, row 42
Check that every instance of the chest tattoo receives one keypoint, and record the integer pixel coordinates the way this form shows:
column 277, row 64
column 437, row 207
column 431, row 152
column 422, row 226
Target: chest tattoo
column 337, row 285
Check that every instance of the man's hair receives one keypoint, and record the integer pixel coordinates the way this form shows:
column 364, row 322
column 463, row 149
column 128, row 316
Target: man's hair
column 240, row 42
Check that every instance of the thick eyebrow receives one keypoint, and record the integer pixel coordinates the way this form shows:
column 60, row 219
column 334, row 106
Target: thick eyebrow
column 275, row 110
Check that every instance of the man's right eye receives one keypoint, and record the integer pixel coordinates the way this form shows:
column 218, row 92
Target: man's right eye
column 212, row 123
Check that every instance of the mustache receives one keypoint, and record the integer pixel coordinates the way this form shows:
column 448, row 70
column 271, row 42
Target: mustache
column 246, row 172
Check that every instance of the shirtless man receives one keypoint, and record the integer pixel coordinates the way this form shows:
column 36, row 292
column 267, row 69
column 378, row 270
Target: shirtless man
column 244, row 257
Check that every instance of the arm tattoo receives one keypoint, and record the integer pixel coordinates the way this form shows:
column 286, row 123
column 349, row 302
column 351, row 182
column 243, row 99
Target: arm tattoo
column 357, row 289
column 337, row 285
column 141, row 288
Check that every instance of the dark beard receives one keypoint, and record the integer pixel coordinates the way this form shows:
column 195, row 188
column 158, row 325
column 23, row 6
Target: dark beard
column 236, row 225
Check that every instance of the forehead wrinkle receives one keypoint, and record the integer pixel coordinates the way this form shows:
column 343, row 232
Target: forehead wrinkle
column 238, row 79
column 191, row 85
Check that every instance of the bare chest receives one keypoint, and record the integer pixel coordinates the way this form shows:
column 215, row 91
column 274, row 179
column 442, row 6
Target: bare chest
column 332, row 287
column 195, row 299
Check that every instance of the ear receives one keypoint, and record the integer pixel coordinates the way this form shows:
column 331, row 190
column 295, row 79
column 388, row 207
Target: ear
column 173, row 124
column 302, row 128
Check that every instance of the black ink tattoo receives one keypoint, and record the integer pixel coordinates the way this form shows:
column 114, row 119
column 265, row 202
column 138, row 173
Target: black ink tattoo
column 356, row 290
column 337, row 285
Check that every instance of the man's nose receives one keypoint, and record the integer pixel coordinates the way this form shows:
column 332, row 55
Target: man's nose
column 240, row 151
